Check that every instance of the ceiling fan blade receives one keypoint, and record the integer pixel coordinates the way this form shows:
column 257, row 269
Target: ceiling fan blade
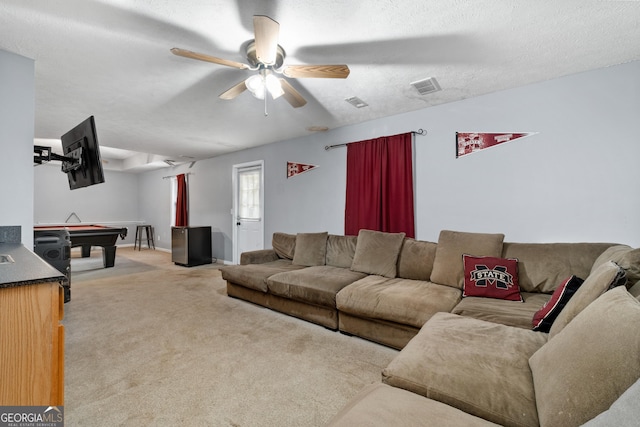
column 208, row 58
column 234, row 91
column 320, row 71
column 292, row 96
column 266, row 34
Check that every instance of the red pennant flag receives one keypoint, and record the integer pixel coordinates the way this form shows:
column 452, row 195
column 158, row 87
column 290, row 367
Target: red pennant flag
column 469, row 142
column 294, row 168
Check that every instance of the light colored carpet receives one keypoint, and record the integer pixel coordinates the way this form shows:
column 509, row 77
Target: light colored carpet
column 149, row 343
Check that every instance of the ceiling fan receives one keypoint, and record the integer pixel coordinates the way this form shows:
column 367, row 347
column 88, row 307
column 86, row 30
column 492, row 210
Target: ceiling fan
column 266, row 56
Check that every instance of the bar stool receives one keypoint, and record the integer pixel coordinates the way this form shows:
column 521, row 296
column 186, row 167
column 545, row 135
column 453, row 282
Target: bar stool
column 148, row 229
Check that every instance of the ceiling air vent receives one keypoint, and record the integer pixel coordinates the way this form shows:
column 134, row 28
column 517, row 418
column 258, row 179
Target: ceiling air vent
column 356, row 102
column 426, row 86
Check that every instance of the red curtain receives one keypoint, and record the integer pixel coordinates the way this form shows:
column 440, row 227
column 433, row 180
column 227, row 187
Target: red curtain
column 380, row 186
column 182, row 205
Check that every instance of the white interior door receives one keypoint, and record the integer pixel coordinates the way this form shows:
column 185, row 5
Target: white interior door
column 248, row 212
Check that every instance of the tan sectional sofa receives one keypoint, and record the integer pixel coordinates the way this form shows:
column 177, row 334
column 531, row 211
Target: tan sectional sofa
column 463, row 360
column 303, row 284
column 385, row 286
column 461, row 371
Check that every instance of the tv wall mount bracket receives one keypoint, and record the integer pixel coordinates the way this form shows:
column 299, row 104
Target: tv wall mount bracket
column 71, row 161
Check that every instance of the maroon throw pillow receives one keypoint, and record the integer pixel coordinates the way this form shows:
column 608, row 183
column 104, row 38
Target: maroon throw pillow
column 491, row 277
column 543, row 319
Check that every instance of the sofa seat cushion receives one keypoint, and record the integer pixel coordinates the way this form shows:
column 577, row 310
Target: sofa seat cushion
column 382, row 405
column 405, row 301
column 476, row 366
column 512, row 313
column 253, row 276
column 315, row 285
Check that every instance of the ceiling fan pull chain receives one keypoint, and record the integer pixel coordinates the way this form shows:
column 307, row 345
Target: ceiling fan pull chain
column 265, row 101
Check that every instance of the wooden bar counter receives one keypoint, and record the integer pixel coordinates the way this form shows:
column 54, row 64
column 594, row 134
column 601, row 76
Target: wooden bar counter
column 31, row 335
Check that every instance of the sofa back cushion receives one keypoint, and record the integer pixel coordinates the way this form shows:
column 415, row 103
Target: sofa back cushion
column 284, row 244
column 377, row 253
column 635, row 289
column 544, row 266
column 447, row 265
column 311, row 249
column 626, row 257
column 416, row 259
column 580, row 372
column 341, row 250
column 605, row 277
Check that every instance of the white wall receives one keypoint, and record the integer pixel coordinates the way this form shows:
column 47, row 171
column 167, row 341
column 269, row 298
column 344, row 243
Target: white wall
column 576, row 180
column 114, row 202
column 17, row 106
column 154, row 201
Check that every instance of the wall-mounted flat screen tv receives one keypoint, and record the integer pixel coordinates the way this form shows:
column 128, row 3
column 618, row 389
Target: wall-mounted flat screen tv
column 81, row 143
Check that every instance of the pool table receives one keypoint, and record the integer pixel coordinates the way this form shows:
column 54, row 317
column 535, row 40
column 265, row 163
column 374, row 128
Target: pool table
column 87, row 235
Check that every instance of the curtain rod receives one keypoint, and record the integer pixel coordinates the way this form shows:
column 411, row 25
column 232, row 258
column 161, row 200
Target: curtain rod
column 173, row 176
column 415, row 132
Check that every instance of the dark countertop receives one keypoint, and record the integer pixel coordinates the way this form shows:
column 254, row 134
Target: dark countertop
column 27, row 268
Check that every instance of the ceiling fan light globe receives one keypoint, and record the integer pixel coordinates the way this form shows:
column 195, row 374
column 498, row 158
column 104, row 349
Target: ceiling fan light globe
column 276, row 94
column 255, row 83
column 273, row 86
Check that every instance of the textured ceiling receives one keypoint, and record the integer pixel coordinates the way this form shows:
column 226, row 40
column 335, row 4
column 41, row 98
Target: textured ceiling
column 111, row 59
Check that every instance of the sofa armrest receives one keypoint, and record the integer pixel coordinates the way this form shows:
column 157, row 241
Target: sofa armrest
column 258, row 257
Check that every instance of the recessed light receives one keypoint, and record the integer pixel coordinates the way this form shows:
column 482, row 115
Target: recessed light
column 356, row 102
